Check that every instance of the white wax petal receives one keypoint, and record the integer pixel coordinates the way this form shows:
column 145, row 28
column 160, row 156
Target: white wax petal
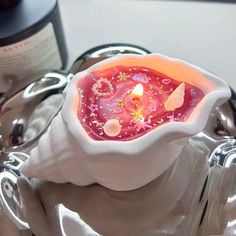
column 176, row 99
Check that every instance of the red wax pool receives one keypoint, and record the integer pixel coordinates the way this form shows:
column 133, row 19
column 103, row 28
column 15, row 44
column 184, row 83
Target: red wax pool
column 107, row 102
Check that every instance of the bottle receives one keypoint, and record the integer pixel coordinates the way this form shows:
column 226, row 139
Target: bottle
column 31, row 40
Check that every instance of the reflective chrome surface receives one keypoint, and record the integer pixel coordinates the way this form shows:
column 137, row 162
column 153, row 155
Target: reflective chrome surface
column 10, row 203
column 10, row 84
column 221, row 126
column 102, row 52
column 224, row 154
column 24, row 117
column 27, row 114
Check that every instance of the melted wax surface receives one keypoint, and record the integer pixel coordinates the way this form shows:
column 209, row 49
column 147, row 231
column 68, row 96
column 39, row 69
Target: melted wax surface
column 105, row 94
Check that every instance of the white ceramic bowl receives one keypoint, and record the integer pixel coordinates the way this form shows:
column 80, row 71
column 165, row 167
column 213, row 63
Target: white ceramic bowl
column 66, row 153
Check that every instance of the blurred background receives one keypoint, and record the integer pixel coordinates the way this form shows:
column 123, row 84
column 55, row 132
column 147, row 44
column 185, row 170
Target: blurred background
column 201, row 32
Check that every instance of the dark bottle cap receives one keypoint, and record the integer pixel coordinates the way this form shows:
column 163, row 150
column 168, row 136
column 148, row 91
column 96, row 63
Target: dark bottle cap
column 8, row 4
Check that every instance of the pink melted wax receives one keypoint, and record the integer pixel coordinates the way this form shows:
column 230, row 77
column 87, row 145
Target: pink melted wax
column 105, row 95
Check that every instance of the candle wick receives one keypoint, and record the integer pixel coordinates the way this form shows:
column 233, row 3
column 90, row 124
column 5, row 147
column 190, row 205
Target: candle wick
column 135, row 98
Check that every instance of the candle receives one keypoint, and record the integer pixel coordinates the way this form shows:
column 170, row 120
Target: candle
column 125, row 121
column 127, row 102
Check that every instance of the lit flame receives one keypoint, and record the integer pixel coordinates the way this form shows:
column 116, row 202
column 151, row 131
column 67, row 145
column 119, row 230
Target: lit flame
column 137, row 92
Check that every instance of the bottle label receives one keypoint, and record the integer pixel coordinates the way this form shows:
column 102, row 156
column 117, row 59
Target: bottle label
column 34, row 54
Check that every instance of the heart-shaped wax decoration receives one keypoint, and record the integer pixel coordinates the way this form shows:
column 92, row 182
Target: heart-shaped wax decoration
column 166, row 81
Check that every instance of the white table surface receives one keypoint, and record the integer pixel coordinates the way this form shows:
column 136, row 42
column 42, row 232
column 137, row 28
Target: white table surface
column 202, row 33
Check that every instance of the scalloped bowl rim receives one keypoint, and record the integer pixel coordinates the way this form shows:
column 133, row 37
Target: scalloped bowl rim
column 137, row 145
